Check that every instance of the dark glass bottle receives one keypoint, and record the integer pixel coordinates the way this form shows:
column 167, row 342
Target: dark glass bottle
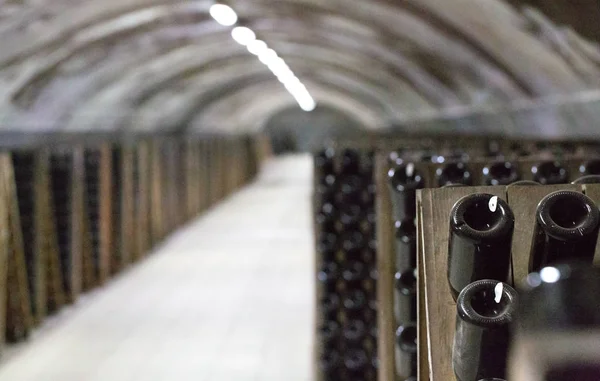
column 324, row 162
column 355, row 271
column 566, row 229
column 352, row 242
column 327, row 246
column 330, row 304
column 404, row 181
column 406, row 350
column 561, row 298
column 558, row 328
column 350, row 162
column 356, row 362
column 354, row 300
column 550, row 172
column 500, row 173
column 405, row 297
column 329, row 331
column 454, row 173
column 350, row 214
column 351, row 189
column 354, row 331
column 482, row 336
column 591, row 167
column 329, row 271
column 406, row 245
column 329, row 363
column 589, row 179
column 481, row 229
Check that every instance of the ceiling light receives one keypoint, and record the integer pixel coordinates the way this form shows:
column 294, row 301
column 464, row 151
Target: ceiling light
column 257, row 47
column 268, row 56
column 243, row 35
column 223, row 14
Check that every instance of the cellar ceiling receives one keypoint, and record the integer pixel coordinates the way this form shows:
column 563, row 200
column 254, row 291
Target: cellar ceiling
column 147, row 65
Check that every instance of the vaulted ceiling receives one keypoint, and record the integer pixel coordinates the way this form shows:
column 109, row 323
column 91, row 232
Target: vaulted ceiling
column 77, row 65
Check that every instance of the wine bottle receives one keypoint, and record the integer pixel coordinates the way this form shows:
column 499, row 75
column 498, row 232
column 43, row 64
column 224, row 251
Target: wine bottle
column 329, row 271
column 500, row 173
column 327, row 246
column 354, row 271
column 350, row 214
column 454, row 173
column 481, row 229
column 550, row 172
column 350, row 162
column 566, row 229
column 485, row 310
column 404, row 182
column 354, row 331
column 352, row 241
column 406, row 350
column 328, row 331
column 406, row 245
column 558, row 325
column 589, row 179
column 405, row 297
column 329, row 363
column 354, row 300
column 324, row 161
column 356, row 361
column 590, row 167
column 329, row 304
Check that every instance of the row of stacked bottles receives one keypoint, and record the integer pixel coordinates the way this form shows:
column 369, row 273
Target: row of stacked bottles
column 344, row 201
column 479, row 262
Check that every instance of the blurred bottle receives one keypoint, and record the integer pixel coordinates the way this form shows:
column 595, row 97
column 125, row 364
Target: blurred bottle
column 454, row 173
column 404, row 181
column 406, row 350
column 566, row 229
column 406, row 245
column 329, row 364
column 550, row 172
column 558, row 328
column 324, row 162
column 589, row 179
column 481, row 229
column 590, row 167
column 485, row 310
column 350, row 162
column 405, row 297
column 500, row 173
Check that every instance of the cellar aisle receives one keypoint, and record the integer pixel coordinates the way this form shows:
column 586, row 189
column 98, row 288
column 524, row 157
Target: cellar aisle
column 229, row 297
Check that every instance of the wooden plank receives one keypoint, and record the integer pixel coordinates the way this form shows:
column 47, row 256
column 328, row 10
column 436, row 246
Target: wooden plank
column 4, row 249
column 106, row 216
column 77, row 221
column 19, row 317
column 593, row 192
column 144, row 187
column 441, row 308
column 386, row 269
column 523, row 201
column 127, row 212
column 46, row 236
column 157, row 193
column 424, row 245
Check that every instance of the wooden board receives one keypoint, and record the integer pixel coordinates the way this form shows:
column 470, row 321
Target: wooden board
column 106, row 215
column 143, row 202
column 386, row 268
column 4, row 249
column 19, row 319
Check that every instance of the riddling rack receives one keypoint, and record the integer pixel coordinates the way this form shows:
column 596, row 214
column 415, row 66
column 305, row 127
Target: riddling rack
column 346, row 346
column 404, row 169
column 75, row 210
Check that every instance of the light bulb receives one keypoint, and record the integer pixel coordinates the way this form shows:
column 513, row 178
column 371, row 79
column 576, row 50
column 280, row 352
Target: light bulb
column 257, row 47
column 243, row 35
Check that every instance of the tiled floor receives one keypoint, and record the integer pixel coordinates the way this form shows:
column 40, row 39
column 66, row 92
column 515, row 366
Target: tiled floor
column 228, row 297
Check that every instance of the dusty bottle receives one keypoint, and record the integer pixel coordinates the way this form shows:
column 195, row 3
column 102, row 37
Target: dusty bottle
column 485, row 311
column 406, row 245
column 589, row 179
column 558, row 326
column 454, row 173
column 405, row 297
column 481, row 229
column 590, row 167
column 566, row 229
column 550, row 172
column 500, row 173
column 406, row 350
column 404, row 181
